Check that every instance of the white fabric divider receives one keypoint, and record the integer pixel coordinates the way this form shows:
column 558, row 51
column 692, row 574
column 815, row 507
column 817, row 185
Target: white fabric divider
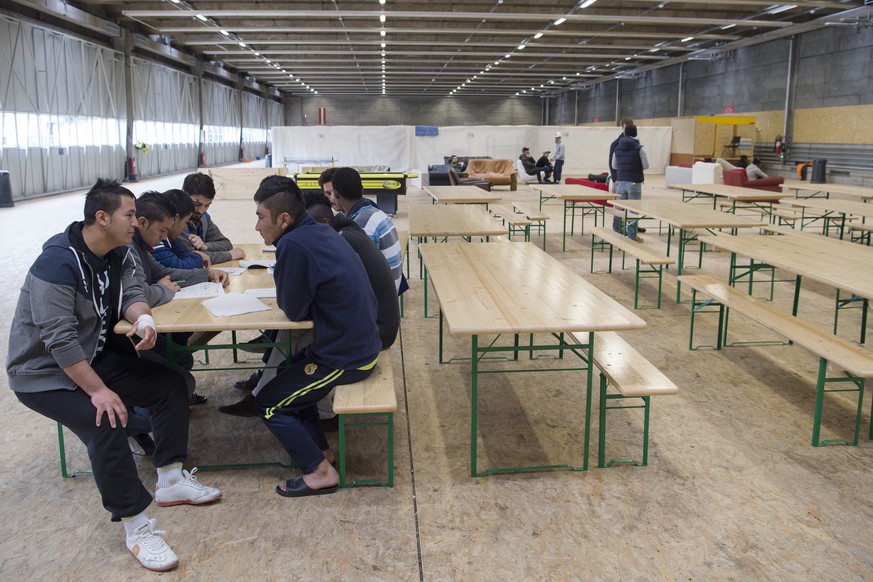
column 397, row 146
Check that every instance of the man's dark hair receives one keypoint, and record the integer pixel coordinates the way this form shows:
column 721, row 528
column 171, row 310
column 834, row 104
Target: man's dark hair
column 155, row 206
column 347, row 184
column 317, row 206
column 626, row 121
column 199, row 184
column 280, row 194
column 104, row 195
column 630, row 130
column 183, row 203
column 326, row 176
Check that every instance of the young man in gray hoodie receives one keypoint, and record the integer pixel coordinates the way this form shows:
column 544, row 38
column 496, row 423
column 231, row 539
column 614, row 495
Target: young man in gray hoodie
column 66, row 363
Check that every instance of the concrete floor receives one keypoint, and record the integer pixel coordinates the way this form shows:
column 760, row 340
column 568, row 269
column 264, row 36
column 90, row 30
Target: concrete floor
column 733, row 490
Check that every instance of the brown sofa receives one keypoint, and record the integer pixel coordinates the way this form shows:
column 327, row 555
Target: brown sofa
column 498, row 172
column 456, row 180
column 739, row 177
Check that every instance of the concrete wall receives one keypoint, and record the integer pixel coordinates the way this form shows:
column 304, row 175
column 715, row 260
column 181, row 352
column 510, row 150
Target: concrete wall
column 834, row 73
column 436, row 110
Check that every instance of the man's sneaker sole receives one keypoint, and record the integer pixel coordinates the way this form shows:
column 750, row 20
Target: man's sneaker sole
column 188, row 501
column 172, row 566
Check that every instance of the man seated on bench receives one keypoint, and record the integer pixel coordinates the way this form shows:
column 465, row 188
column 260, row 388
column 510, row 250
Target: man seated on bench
column 381, row 281
column 171, row 252
column 67, row 364
column 319, row 278
column 203, row 234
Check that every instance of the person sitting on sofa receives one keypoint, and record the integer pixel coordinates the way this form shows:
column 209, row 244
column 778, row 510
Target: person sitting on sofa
column 531, row 167
column 456, row 164
column 753, row 170
column 544, row 162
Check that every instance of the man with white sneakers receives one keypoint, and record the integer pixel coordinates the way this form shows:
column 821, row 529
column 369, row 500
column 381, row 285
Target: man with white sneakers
column 67, row 364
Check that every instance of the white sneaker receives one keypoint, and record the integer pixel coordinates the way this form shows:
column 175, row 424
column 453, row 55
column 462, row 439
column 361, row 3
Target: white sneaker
column 186, row 491
column 147, row 546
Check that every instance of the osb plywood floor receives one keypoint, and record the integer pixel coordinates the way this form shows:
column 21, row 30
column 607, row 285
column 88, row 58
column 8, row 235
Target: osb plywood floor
column 733, row 490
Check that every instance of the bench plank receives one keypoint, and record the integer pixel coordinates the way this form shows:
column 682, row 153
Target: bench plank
column 840, row 352
column 375, row 394
column 509, row 215
column 632, row 247
column 531, row 213
column 627, row 370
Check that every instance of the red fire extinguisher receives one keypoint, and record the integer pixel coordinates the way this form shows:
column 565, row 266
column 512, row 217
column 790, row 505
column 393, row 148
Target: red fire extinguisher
column 777, row 145
column 202, row 159
column 132, row 175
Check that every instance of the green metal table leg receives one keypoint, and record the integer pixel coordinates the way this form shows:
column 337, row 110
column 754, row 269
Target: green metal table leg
column 474, row 400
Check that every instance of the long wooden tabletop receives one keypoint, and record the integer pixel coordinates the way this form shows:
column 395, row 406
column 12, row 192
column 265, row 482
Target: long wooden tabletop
column 833, row 205
column 573, row 192
column 738, row 193
column 189, row 315
column 461, row 195
column 496, row 288
column 832, row 262
column 686, row 216
column 452, row 220
column 863, row 192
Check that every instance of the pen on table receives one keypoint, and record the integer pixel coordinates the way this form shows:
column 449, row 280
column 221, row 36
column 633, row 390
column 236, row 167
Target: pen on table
column 179, row 281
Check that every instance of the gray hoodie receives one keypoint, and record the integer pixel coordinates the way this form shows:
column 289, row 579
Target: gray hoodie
column 57, row 321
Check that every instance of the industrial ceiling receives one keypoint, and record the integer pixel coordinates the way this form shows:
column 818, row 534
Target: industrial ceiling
column 476, row 47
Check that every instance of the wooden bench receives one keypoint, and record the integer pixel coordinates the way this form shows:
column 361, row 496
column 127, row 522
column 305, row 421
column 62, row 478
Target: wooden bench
column 785, row 214
column 374, row 396
column 860, row 232
column 653, row 260
column 854, row 362
column 538, row 218
column 517, row 223
column 626, row 370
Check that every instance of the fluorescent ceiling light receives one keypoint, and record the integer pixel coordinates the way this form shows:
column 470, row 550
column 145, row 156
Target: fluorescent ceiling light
column 728, row 26
column 687, row 38
column 224, row 32
column 381, row 18
column 383, row 45
column 780, row 8
column 242, row 44
column 200, row 17
column 382, row 32
column 587, row 3
column 538, row 35
column 560, row 21
column 521, row 47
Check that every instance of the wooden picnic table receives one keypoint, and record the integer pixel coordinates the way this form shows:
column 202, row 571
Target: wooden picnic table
column 588, row 200
column 461, row 195
column 745, row 197
column 825, row 260
column 829, row 207
column 686, row 218
column 825, row 190
column 481, row 293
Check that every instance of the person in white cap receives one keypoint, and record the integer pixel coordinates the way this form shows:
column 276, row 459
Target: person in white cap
column 558, row 158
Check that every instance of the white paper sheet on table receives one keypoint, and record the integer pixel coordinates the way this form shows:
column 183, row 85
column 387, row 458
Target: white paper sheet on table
column 262, row 292
column 234, row 304
column 234, row 271
column 200, row 290
column 268, row 249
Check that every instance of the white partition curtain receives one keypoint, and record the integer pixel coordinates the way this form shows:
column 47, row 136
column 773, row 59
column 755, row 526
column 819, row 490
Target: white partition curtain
column 397, row 146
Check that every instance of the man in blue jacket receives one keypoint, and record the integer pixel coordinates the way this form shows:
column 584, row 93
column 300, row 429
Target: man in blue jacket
column 67, row 364
column 629, row 160
column 319, row 278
